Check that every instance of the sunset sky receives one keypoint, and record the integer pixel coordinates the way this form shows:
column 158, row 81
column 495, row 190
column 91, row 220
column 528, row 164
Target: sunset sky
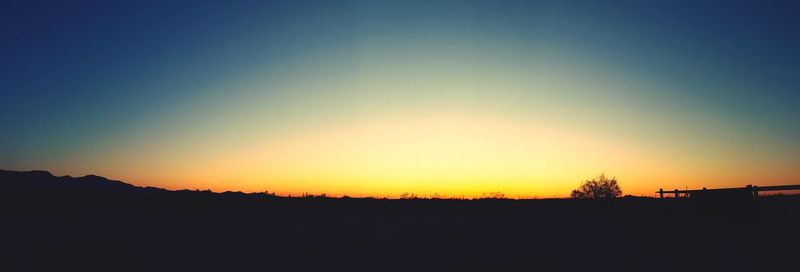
column 379, row 98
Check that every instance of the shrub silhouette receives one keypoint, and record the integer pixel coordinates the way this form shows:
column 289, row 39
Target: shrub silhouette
column 598, row 188
column 493, row 195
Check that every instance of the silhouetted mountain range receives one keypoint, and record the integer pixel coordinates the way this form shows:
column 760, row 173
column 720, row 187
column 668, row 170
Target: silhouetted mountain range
column 92, row 223
column 38, row 180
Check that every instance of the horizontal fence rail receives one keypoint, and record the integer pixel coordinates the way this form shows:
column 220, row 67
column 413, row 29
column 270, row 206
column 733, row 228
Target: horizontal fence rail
column 750, row 188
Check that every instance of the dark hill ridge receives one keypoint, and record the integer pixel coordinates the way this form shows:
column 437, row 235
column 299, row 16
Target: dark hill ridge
column 44, row 180
column 92, row 223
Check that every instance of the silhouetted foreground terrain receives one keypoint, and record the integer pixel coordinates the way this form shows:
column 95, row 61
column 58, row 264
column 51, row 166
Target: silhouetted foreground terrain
column 73, row 224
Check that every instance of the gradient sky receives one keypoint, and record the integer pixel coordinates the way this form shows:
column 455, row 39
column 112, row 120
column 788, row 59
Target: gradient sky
column 383, row 97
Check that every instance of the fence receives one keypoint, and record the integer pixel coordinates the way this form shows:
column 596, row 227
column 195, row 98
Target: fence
column 749, row 191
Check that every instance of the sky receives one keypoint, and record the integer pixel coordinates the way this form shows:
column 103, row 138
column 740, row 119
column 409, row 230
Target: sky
column 379, row 98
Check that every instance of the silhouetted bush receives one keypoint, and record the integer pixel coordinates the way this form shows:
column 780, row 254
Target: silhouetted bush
column 493, row 195
column 598, row 188
column 409, row 196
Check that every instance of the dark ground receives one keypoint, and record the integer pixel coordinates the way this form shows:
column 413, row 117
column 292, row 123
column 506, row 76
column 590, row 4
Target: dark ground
column 90, row 223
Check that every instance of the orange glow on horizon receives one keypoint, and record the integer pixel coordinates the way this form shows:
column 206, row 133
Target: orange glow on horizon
column 449, row 155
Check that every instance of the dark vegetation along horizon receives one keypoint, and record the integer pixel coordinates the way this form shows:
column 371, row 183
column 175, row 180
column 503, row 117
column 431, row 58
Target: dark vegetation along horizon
column 92, row 223
column 596, row 188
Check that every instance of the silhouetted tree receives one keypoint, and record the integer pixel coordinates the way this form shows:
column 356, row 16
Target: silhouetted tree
column 598, row 188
